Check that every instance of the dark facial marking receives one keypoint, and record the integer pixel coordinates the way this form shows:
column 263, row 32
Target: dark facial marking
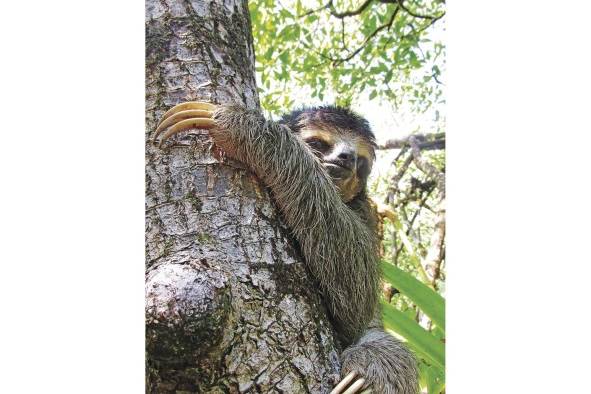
column 329, row 118
column 318, row 145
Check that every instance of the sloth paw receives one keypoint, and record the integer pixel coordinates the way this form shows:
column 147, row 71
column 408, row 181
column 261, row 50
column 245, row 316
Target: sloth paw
column 380, row 363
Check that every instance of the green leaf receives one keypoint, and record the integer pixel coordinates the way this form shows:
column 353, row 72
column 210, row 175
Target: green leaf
column 311, row 19
column 284, row 14
column 269, row 53
column 284, row 57
column 373, row 94
column 388, row 76
column 429, row 301
column 431, row 377
column 419, row 338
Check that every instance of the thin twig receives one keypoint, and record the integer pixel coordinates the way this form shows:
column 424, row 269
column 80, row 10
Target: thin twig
column 425, row 141
column 417, row 32
column 414, row 13
column 346, row 14
column 337, row 61
column 316, row 10
column 421, row 205
column 429, row 169
column 393, row 189
column 343, row 45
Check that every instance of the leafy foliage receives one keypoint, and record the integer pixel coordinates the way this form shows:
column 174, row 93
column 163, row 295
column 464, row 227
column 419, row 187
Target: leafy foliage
column 414, row 309
column 430, row 302
column 375, row 49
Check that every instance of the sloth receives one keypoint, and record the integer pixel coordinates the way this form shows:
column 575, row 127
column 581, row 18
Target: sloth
column 316, row 162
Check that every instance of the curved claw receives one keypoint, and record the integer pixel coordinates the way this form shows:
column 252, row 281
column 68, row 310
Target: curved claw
column 354, row 388
column 189, row 105
column 191, row 113
column 200, row 123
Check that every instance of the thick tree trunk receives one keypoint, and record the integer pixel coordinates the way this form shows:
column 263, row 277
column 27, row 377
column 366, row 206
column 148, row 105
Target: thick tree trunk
column 229, row 304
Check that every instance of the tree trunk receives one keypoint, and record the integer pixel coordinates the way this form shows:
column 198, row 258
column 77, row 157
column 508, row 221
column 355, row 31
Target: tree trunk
column 230, row 306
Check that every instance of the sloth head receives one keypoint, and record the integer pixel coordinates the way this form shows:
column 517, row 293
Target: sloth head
column 342, row 140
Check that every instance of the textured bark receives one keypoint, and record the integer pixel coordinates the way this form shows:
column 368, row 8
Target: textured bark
column 230, row 306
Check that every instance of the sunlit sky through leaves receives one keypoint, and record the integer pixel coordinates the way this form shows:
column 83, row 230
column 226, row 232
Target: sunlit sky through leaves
column 386, row 121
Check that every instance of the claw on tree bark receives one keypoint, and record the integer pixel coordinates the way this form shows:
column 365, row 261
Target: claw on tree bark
column 184, row 116
column 188, row 114
column 189, row 105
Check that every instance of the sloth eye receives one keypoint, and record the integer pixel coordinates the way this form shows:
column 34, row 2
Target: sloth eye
column 362, row 165
column 317, row 145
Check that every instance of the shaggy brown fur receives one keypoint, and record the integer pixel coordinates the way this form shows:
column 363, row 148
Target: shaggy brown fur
column 337, row 238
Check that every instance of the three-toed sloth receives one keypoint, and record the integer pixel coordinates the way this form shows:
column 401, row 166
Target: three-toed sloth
column 316, row 162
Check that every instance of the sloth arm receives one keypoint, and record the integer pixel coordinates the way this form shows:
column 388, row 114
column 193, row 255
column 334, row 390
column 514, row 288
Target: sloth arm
column 338, row 245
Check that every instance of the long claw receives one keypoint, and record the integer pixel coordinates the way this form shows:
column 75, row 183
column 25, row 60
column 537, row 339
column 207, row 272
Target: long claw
column 355, row 386
column 191, row 113
column 201, row 123
column 344, row 383
column 189, row 105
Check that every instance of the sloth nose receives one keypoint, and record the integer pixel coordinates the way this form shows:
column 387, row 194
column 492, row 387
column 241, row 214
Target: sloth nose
column 347, row 158
column 347, row 155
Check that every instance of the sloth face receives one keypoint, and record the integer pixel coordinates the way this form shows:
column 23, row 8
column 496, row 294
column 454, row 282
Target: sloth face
column 346, row 156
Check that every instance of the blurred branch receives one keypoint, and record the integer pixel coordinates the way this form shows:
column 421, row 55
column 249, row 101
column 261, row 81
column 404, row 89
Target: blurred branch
column 416, row 214
column 425, row 142
column 400, row 154
column 393, row 189
column 429, row 267
column 429, row 169
column 413, row 254
column 384, row 211
column 436, row 252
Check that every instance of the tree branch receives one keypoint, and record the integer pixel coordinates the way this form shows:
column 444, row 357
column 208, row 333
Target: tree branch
column 416, row 214
column 341, row 15
column 436, row 251
column 337, row 61
column 343, row 45
column 346, row 14
column 414, row 13
column 417, row 32
column 315, row 10
column 396, row 178
column 425, row 142
column 429, row 169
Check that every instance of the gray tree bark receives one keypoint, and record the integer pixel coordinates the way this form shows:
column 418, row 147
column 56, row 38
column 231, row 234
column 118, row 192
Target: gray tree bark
column 230, row 306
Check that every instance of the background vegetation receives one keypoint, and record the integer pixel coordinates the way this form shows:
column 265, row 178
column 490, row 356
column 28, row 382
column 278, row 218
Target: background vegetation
column 390, row 54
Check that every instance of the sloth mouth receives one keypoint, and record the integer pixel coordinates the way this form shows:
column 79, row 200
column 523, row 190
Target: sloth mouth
column 337, row 171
